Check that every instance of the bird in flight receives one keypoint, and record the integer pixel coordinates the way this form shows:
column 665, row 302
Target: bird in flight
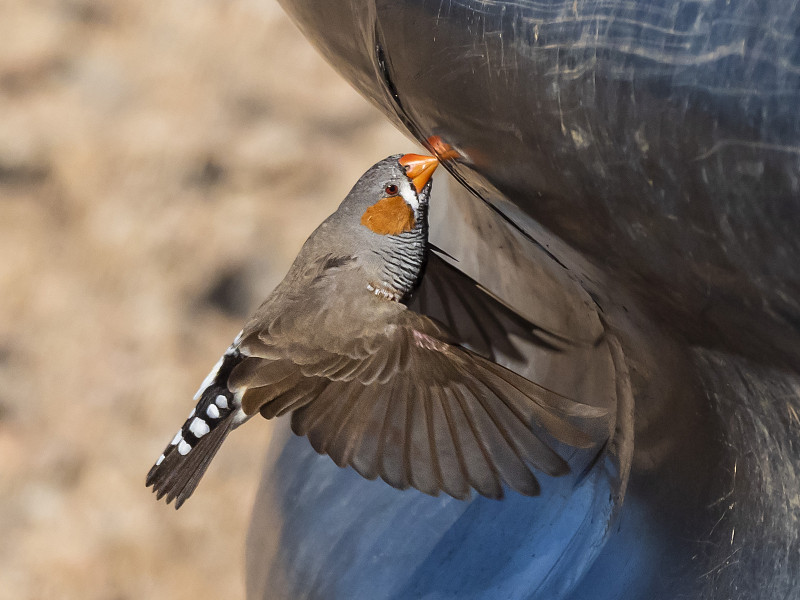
column 384, row 354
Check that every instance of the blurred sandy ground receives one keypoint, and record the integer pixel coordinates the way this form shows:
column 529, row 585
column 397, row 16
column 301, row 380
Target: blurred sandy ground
column 160, row 165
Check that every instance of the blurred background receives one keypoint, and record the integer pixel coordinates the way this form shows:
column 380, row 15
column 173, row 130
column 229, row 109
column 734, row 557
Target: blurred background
column 160, row 166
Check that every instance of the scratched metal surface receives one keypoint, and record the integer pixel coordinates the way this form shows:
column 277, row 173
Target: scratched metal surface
column 649, row 152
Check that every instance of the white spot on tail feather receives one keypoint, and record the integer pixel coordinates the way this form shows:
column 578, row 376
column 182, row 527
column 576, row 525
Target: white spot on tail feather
column 184, row 448
column 209, row 379
column 212, row 411
column 160, row 460
column 221, row 401
column 178, row 437
column 199, row 427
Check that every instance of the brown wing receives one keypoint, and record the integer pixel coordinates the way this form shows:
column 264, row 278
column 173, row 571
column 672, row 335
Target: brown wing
column 412, row 407
column 479, row 319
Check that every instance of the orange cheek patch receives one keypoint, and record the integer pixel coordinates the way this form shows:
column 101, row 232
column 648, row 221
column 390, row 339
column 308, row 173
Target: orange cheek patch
column 389, row 216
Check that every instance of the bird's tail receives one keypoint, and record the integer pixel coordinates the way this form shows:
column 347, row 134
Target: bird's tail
column 179, row 469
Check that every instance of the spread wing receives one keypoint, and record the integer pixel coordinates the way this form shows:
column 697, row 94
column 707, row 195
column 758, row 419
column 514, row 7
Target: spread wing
column 409, row 405
column 478, row 318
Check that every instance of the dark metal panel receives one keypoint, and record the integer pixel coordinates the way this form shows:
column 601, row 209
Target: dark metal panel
column 649, row 152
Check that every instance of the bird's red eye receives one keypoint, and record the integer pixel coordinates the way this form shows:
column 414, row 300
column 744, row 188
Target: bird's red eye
column 391, row 189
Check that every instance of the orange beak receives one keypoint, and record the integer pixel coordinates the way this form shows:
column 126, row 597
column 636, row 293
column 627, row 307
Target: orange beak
column 418, row 168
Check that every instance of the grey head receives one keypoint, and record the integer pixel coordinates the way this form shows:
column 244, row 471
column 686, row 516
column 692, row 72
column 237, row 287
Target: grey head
column 383, row 225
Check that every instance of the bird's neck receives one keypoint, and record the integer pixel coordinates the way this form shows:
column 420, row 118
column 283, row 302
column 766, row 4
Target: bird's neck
column 404, row 260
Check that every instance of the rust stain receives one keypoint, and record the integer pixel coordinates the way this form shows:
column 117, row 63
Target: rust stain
column 389, row 216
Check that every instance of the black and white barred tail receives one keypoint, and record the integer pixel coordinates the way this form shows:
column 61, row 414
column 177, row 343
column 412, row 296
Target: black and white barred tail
column 179, row 469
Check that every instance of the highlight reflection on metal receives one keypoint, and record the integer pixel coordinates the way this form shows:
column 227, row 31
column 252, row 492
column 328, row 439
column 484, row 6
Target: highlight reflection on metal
column 642, row 165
